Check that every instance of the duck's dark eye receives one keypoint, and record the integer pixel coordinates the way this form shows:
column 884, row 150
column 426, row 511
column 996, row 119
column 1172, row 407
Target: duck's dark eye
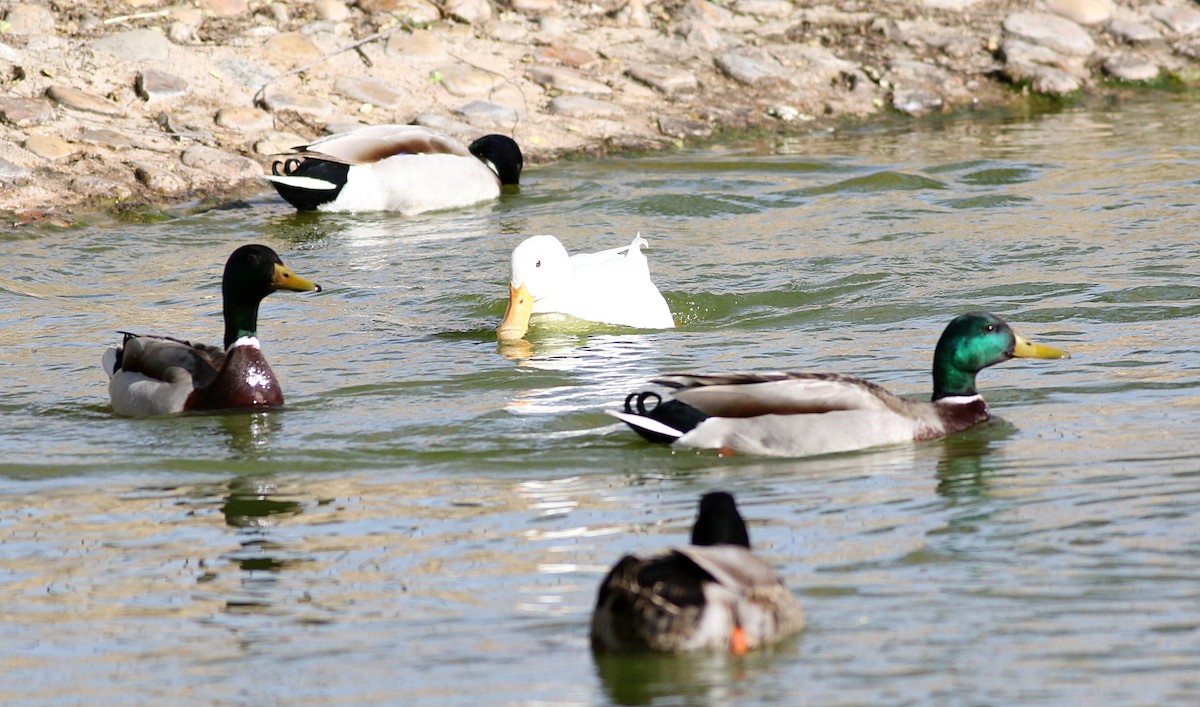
column 990, row 328
column 538, row 264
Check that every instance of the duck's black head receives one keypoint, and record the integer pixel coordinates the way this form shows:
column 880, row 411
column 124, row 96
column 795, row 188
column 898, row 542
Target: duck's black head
column 251, row 273
column 502, row 154
column 718, row 522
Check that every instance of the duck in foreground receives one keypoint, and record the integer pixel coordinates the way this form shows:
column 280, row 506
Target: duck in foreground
column 804, row 414
column 713, row 594
column 610, row 287
column 405, row 168
column 158, row 375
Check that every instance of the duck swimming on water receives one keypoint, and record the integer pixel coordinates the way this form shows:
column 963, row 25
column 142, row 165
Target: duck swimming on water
column 405, row 168
column 803, row 414
column 714, row 594
column 159, row 375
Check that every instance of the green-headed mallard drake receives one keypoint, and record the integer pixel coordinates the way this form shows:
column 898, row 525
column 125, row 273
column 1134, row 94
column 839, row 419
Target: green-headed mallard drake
column 712, row 594
column 405, row 168
column 802, row 414
column 610, row 287
column 158, row 375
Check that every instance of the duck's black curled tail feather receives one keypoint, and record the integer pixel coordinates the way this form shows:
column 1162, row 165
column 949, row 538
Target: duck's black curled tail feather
column 679, row 417
column 301, row 197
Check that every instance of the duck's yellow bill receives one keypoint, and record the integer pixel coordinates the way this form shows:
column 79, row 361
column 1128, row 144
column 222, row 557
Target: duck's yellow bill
column 516, row 317
column 285, row 279
column 1028, row 349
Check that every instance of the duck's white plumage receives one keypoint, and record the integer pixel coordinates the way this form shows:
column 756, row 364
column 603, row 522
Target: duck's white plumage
column 405, row 168
column 609, row 287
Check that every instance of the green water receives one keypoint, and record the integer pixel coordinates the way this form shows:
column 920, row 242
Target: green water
column 427, row 520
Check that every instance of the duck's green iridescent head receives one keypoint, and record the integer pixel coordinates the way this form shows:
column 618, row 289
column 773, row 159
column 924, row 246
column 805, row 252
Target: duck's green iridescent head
column 971, row 343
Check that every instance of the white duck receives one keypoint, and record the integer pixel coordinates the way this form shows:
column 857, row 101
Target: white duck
column 405, row 168
column 714, row 594
column 610, row 287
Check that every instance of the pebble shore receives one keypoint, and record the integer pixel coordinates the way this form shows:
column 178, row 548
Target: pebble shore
column 127, row 103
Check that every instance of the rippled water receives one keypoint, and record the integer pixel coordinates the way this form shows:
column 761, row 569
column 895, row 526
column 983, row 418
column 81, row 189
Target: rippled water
column 428, row 519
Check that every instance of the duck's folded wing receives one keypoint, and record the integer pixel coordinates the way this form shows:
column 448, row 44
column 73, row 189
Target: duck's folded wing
column 753, row 394
column 153, row 356
column 376, row 143
column 732, row 566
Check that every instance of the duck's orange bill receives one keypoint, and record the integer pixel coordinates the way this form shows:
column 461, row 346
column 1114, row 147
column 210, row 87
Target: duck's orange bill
column 516, row 317
column 738, row 643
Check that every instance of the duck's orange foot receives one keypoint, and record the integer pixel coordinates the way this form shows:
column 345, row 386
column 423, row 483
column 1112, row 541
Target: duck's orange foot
column 738, row 643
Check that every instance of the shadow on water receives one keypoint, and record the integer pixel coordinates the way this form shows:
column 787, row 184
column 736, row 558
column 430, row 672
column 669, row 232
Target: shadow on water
column 697, row 678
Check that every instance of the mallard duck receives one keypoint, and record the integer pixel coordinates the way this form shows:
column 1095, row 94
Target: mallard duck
column 803, row 414
column 405, row 168
column 158, row 375
column 712, row 594
column 610, row 287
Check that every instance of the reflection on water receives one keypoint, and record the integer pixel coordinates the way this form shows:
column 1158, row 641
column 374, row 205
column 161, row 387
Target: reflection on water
column 428, row 519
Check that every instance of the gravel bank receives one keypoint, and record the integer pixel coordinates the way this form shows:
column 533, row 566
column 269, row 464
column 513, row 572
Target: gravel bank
column 124, row 104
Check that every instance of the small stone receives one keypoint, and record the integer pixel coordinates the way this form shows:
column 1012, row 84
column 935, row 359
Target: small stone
column 421, row 12
column 1057, row 33
column 703, row 35
column 182, row 33
column 49, row 147
column 534, row 8
column 764, row 8
column 422, row 45
column 160, row 181
column 9, row 54
column 487, row 114
column 951, row 5
column 276, row 100
column 1133, row 31
column 916, row 100
column 153, row 85
column 24, row 112
column 469, row 11
column 566, row 80
column 1126, row 67
column 1084, row 12
column 26, row 18
column 372, row 91
column 331, row 10
column 279, row 143
column 105, row 137
column 443, row 124
column 566, row 55
column 135, row 46
column 222, row 165
column 10, row 172
column 682, row 127
column 583, row 107
column 75, row 99
column 190, row 16
column 244, row 73
column 244, row 119
column 225, row 8
column 749, row 70
column 100, row 187
column 1183, row 20
column 664, row 78
column 462, row 80
column 280, row 14
column 291, row 49
column 510, row 28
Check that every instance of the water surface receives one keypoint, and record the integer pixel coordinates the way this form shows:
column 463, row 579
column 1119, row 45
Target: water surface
column 427, row 520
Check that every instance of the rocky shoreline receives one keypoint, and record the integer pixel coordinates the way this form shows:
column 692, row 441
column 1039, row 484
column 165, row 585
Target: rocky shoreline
column 128, row 103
